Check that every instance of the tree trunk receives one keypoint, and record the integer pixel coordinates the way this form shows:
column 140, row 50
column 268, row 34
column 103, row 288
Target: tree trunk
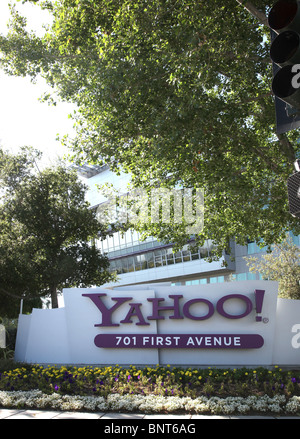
column 54, row 300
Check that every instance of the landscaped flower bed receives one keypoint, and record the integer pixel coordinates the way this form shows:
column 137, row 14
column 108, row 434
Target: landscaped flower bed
column 151, row 389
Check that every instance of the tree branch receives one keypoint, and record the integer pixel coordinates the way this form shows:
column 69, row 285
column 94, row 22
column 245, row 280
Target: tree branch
column 254, row 99
column 272, row 165
column 261, row 17
column 10, row 294
column 18, row 297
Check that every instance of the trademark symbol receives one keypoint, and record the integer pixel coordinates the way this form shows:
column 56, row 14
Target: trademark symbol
column 265, row 320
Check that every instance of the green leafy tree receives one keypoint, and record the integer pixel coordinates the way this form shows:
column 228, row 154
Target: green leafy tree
column 282, row 265
column 174, row 93
column 46, row 231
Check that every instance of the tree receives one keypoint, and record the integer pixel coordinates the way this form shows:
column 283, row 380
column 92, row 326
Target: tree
column 174, row 93
column 282, row 265
column 46, row 231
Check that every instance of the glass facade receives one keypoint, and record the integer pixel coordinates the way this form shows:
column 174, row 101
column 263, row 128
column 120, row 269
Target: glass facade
column 120, row 244
column 128, row 253
column 253, row 247
column 220, row 279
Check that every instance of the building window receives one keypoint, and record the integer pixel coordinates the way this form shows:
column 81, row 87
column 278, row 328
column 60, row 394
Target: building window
column 241, row 276
column 253, row 247
column 142, row 257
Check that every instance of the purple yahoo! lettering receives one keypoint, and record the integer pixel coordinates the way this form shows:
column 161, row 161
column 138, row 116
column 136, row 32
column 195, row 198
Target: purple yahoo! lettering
column 186, row 309
column 259, row 298
column 220, row 306
column 156, row 308
column 135, row 311
column 106, row 312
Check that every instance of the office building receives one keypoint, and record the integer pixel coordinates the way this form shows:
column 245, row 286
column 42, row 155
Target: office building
column 139, row 261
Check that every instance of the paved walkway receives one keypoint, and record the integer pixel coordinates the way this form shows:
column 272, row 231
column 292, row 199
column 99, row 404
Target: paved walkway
column 49, row 414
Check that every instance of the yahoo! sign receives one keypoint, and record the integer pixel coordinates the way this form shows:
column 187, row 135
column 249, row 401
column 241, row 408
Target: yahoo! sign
column 135, row 309
column 179, row 309
column 230, row 324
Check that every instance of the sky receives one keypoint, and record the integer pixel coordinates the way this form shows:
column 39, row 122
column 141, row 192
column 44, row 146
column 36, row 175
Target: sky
column 23, row 119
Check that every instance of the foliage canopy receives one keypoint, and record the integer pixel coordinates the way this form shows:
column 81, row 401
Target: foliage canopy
column 174, row 93
column 46, row 228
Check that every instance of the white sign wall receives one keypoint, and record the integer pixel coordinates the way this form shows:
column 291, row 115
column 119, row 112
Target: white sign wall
column 229, row 324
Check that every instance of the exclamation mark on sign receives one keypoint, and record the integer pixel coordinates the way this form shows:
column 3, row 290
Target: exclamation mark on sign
column 259, row 299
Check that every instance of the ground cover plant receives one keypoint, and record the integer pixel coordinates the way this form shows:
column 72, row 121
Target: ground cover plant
column 152, row 388
column 157, row 380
